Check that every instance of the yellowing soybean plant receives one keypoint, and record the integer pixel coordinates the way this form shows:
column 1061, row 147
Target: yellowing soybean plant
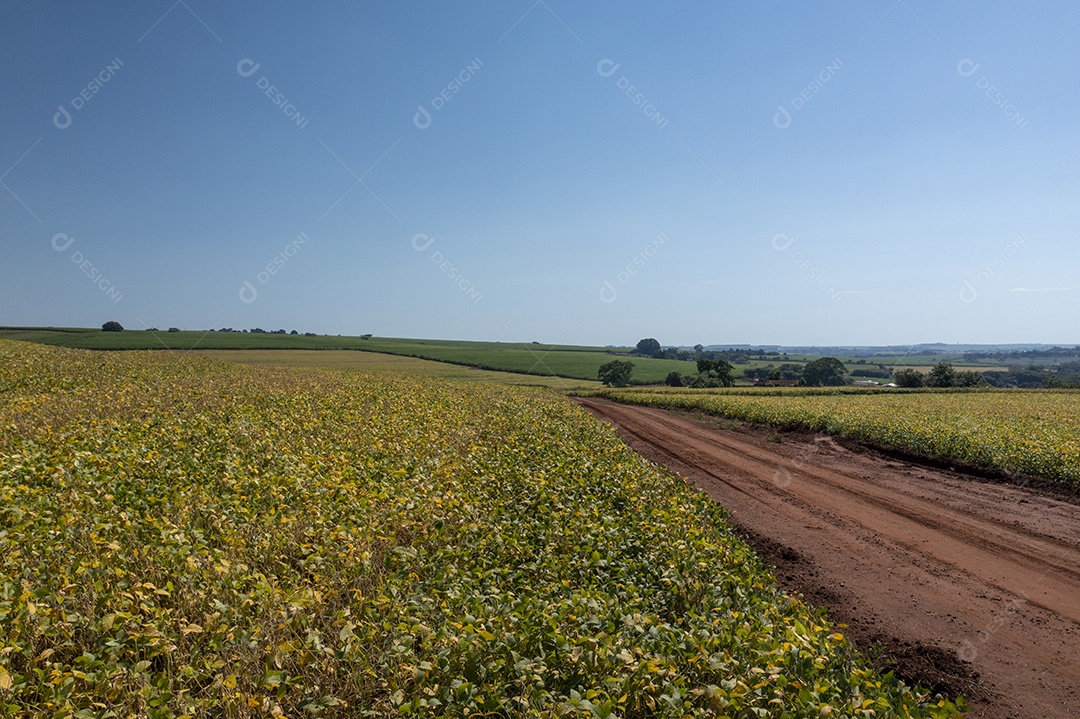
column 185, row 538
column 1035, row 433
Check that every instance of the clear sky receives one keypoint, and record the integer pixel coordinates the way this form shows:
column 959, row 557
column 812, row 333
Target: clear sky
column 871, row 172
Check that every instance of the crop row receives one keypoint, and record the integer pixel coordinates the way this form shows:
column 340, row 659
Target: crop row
column 1033, row 433
column 185, row 538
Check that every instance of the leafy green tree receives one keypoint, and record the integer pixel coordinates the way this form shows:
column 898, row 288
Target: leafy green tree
column 757, row 373
column 648, row 347
column 716, row 373
column 616, row 373
column 969, row 378
column 674, row 379
column 112, row 327
column 824, row 372
column 908, row 378
column 942, row 375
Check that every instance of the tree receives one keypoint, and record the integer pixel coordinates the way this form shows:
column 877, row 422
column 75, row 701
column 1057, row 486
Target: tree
column 616, row 373
column 908, row 378
column 786, row 370
column 715, row 373
column 112, row 327
column 971, row 378
column 648, row 347
column 757, row 374
column 942, row 375
column 824, row 372
column 174, row 329
column 674, row 379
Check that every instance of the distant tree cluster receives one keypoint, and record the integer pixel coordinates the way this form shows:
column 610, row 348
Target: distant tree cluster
column 943, row 374
column 711, row 373
column 115, row 327
column 261, row 331
column 650, row 347
column 112, row 327
column 786, row 371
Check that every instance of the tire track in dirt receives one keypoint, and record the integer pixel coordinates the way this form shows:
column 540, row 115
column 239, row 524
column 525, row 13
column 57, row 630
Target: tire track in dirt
column 967, row 586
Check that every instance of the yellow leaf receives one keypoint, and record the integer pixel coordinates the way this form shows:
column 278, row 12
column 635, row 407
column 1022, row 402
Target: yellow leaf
column 5, row 679
column 192, row 629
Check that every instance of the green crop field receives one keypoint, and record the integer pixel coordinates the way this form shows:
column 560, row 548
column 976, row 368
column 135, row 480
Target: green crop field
column 181, row 537
column 525, row 358
column 1031, row 432
column 379, row 362
column 534, row 359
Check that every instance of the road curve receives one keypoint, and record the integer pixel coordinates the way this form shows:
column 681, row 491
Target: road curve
column 970, row 586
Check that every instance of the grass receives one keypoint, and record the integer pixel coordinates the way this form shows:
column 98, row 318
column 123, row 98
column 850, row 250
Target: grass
column 379, row 362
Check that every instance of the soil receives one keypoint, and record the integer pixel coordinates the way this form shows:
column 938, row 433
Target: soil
column 961, row 584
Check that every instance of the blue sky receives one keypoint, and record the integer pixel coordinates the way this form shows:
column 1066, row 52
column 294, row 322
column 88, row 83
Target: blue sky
column 592, row 173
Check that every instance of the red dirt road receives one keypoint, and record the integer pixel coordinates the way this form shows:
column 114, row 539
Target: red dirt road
column 968, row 586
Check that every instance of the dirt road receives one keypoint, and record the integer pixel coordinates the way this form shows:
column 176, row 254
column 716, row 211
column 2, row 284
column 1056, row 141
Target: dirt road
column 969, row 586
